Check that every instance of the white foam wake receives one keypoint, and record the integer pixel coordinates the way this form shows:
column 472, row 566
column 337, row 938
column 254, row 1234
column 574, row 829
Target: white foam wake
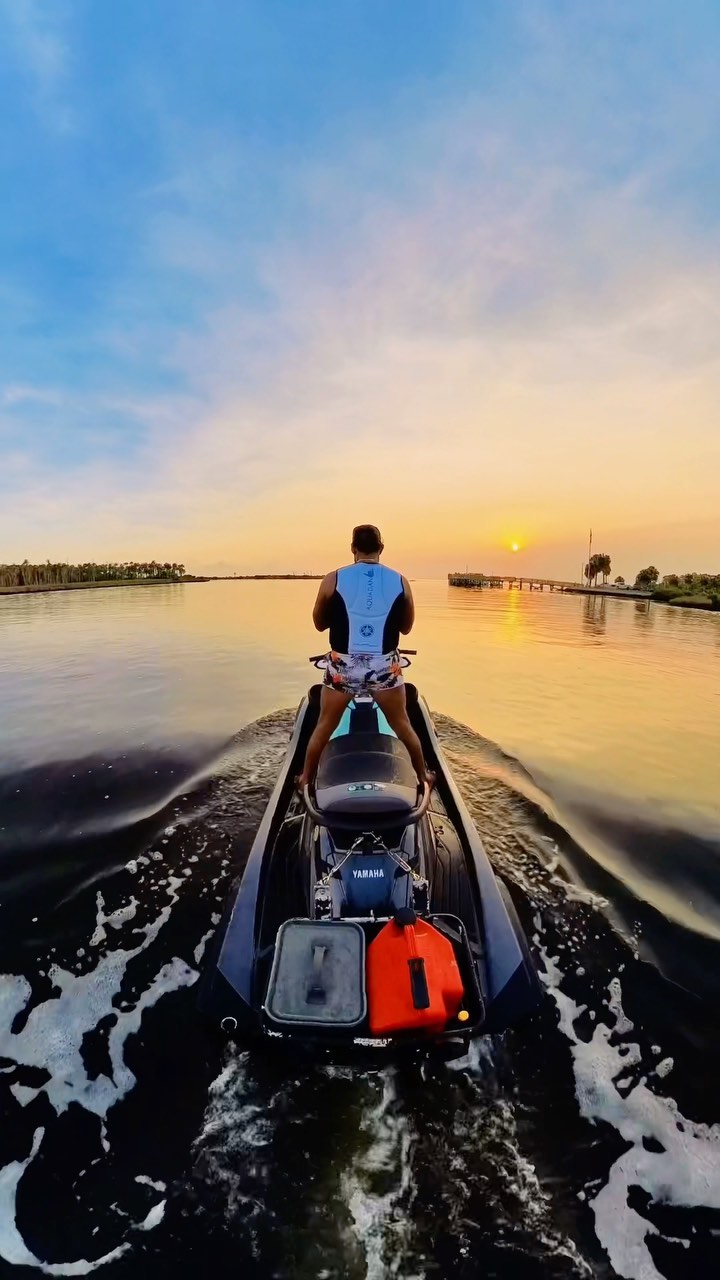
column 379, row 1188
column 685, row 1172
column 51, row 1039
column 53, row 1033
column 12, row 1246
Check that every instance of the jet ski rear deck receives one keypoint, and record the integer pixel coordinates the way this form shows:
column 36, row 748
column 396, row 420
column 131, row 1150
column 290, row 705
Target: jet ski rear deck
column 363, row 847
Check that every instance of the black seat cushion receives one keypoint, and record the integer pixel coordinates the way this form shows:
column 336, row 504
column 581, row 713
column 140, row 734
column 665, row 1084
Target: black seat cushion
column 365, row 758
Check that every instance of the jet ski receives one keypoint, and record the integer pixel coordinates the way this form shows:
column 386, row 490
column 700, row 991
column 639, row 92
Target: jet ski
column 368, row 916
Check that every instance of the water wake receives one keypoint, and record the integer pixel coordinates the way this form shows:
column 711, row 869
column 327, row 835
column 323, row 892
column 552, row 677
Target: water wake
column 581, row 1145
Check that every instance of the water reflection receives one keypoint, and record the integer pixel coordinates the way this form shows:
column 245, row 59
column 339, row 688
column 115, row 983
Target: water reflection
column 595, row 615
column 514, row 619
column 644, row 614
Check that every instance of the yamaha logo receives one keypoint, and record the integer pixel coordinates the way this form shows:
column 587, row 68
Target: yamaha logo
column 367, row 629
column 369, row 873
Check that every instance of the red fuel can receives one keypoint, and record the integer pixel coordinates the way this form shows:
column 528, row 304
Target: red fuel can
column 413, row 979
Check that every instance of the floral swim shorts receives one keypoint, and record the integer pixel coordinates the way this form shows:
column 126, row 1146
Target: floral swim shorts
column 363, row 672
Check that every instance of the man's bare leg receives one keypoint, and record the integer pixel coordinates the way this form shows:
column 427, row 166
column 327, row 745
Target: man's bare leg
column 332, row 705
column 393, row 704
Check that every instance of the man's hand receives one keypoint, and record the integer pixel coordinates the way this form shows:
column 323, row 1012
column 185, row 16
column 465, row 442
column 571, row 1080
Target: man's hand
column 324, row 596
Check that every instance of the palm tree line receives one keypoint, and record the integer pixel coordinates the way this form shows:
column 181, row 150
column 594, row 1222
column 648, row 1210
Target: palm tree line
column 598, row 564
column 48, row 574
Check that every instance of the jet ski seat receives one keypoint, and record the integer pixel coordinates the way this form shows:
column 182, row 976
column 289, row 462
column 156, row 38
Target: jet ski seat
column 365, row 772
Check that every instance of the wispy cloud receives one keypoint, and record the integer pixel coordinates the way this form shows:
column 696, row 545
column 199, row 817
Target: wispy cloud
column 35, row 30
column 14, row 395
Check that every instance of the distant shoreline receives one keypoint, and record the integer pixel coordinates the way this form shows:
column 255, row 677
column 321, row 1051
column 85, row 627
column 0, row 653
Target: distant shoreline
column 655, row 596
column 36, row 588
column 614, row 593
column 263, row 577
column 89, row 586
column 698, row 602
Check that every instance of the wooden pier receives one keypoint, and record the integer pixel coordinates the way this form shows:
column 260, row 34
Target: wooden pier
column 532, row 583
column 510, row 581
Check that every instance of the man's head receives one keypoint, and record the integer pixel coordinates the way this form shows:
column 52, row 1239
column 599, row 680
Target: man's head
column 366, row 541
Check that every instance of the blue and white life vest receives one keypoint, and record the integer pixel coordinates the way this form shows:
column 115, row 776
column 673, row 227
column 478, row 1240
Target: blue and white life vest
column 366, row 609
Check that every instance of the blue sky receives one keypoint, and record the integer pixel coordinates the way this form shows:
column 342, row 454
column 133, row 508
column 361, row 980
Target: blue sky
column 244, row 246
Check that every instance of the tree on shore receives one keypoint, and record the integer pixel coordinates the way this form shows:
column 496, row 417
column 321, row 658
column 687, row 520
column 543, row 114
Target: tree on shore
column 696, row 590
column 647, row 578
column 691, row 583
column 59, row 574
column 592, row 569
column 600, row 563
column 619, row 581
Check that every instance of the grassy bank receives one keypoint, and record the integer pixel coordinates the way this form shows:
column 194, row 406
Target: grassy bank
column 88, row 586
column 682, row 600
column 614, row 593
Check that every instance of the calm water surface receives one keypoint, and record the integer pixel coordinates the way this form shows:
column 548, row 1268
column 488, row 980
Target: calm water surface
column 612, row 695
column 140, row 733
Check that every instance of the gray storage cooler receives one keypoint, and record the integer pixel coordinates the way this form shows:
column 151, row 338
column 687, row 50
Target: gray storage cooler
column 318, row 974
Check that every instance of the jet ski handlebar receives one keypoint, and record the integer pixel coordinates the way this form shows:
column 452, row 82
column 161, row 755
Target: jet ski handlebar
column 378, row 822
column 319, row 659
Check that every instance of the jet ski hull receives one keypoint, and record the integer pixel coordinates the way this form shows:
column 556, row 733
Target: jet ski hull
column 295, row 870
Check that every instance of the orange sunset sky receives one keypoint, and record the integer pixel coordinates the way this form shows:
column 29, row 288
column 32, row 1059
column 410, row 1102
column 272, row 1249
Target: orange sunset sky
column 453, row 271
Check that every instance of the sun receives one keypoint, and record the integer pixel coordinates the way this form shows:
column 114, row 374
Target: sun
column 515, row 546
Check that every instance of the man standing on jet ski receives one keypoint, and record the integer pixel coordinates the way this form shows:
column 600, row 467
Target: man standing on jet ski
column 366, row 606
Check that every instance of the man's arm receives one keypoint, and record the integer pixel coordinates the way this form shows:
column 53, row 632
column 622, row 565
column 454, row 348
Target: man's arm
column 324, row 596
column 407, row 619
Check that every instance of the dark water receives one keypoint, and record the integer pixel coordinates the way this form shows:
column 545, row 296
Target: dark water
column 139, row 739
